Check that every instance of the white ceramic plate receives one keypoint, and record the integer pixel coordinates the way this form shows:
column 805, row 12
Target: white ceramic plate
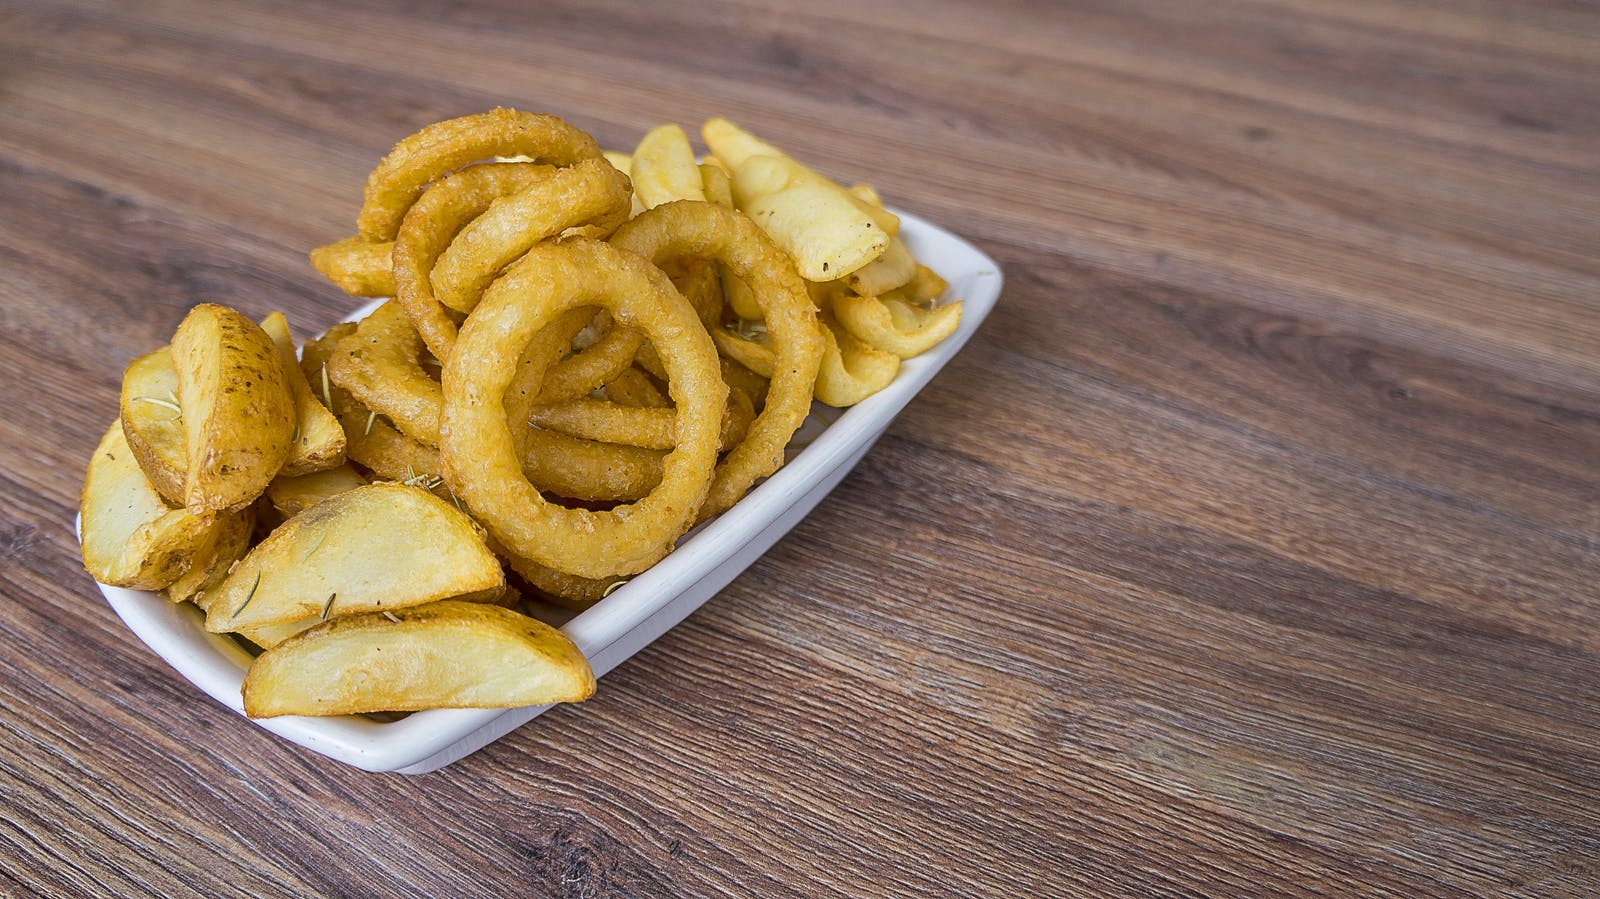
column 639, row 611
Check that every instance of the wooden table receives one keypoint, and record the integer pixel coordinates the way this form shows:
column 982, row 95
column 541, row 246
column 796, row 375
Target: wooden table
column 1252, row 546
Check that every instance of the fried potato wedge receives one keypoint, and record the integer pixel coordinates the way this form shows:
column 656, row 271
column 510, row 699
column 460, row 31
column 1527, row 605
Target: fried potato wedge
column 664, row 168
column 131, row 537
column 895, row 325
column 852, row 369
column 152, row 420
column 623, row 162
column 357, row 266
column 440, row 655
column 291, row 496
column 238, row 414
column 895, row 268
column 829, row 232
column 732, row 145
column 226, row 542
column 381, row 546
column 319, row 441
column 716, row 184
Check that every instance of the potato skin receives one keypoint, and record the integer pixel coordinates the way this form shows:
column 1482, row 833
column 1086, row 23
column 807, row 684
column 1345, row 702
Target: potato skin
column 321, row 443
column 130, row 536
column 239, row 416
column 154, row 432
column 448, row 654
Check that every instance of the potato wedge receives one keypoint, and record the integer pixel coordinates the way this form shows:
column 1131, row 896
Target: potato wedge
column 623, row 162
column 828, row 232
column 238, row 414
column 381, row 546
column 131, row 537
column 226, row 542
column 664, row 168
column 291, row 496
column 319, row 441
column 717, row 184
column 852, row 369
column 732, row 145
column 441, row 655
column 924, row 287
column 153, row 422
column 895, row 325
column 867, row 194
column 895, row 268
column 270, row 635
column 357, row 266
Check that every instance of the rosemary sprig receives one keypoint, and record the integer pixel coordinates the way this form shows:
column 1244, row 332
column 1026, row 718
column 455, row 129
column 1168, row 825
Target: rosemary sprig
column 249, row 597
column 391, row 616
column 314, row 548
column 370, row 416
column 327, row 392
column 166, row 404
column 425, row 481
column 328, row 606
column 748, row 330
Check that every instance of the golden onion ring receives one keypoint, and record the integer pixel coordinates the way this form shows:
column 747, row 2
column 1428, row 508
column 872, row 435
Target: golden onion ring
column 476, row 447
column 651, row 428
column 445, row 147
column 427, row 229
column 707, row 231
column 591, row 195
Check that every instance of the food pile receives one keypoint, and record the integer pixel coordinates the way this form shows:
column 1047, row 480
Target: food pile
column 585, row 355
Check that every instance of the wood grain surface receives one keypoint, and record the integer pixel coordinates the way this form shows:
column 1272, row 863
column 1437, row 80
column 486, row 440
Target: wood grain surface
column 1252, row 547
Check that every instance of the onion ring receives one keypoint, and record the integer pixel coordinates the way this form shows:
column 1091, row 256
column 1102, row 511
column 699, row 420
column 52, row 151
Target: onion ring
column 427, row 229
column 444, row 147
column 563, row 589
column 635, row 388
column 745, row 381
column 476, row 448
column 583, row 373
column 586, row 470
column 650, row 428
column 708, row 231
column 591, row 194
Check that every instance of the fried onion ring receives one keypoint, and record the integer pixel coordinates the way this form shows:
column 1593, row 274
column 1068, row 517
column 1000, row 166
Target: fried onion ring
column 427, row 229
column 444, row 147
column 635, row 388
column 586, row 470
column 705, row 230
column 476, row 447
column 591, row 194
column 651, row 428
column 583, row 373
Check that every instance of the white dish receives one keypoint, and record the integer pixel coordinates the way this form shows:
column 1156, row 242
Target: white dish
column 635, row 614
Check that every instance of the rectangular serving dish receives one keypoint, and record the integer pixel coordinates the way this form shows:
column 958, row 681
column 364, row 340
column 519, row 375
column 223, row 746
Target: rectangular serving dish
column 644, row 608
